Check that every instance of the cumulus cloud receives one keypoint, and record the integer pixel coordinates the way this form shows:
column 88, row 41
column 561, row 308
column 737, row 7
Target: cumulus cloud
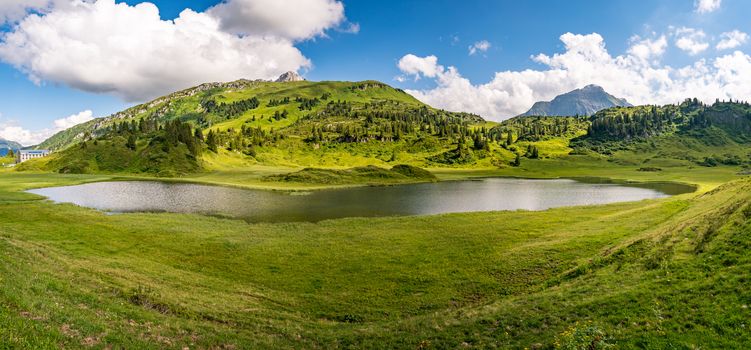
column 480, row 46
column 647, row 49
column 420, row 66
column 691, row 40
column 292, row 19
column 731, row 40
column 707, row 6
column 129, row 51
column 12, row 131
column 13, row 10
column 637, row 75
column 73, row 120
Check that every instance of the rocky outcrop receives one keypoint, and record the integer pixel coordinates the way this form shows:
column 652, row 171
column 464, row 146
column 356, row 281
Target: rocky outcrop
column 289, row 76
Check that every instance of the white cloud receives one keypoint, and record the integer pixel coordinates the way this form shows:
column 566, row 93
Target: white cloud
column 691, row 40
column 480, row 46
column 637, row 75
column 73, row 120
column 13, row 10
column 706, row 6
column 420, row 66
column 292, row 19
column 18, row 134
column 351, row 28
column 648, row 49
column 731, row 40
column 14, row 132
column 128, row 51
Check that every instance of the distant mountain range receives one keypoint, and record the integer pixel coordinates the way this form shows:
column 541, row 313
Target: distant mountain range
column 585, row 101
column 6, row 145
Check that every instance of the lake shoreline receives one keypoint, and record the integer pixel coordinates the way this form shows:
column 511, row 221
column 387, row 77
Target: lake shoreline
column 417, row 199
column 463, row 175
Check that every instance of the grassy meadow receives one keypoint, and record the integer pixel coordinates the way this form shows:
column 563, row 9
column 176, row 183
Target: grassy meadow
column 657, row 274
column 72, row 277
column 6, row 160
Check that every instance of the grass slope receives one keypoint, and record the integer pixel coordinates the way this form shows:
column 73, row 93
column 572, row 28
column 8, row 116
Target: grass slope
column 358, row 122
column 154, row 157
column 7, row 160
column 73, row 277
column 186, row 105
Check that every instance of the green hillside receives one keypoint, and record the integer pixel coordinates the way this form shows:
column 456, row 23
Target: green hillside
column 691, row 134
column 164, row 150
column 211, row 106
column 649, row 137
column 7, row 160
column 295, row 124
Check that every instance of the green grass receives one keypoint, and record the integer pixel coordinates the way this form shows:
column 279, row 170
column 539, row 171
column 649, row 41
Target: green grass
column 668, row 273
column 267, row 91
column 369, row 175
column 583, row 166
column 73, row 277
column 4, row 161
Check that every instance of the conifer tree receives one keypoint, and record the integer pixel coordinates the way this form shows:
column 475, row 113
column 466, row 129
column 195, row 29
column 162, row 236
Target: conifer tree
column 211, row 141
column 131, row 142
column 517, row 161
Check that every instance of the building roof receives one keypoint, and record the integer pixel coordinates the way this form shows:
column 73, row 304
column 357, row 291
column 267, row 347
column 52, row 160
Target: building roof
column 34, row 151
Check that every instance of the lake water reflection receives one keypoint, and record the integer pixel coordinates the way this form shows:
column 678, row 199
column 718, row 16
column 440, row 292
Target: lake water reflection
column 489, row 194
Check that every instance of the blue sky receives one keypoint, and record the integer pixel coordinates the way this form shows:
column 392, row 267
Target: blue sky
column 436, row 35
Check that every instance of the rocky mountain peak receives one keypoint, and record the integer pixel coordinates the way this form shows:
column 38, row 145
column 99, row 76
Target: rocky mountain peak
column 585, row 101
column 289, row 76
column 592, row 87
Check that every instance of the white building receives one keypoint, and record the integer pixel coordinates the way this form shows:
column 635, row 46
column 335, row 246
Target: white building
column 24, row 155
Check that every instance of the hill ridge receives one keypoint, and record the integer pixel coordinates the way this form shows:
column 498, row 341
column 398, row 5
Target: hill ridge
column 77, row 133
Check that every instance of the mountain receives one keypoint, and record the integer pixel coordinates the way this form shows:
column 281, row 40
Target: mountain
column 6, row 145
column 289, row 76
column 585, row 101
column 287, row 122
column 235, row 125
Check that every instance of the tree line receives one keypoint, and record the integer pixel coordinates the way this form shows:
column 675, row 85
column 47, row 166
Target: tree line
column 232, row 109
column 171, row 133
